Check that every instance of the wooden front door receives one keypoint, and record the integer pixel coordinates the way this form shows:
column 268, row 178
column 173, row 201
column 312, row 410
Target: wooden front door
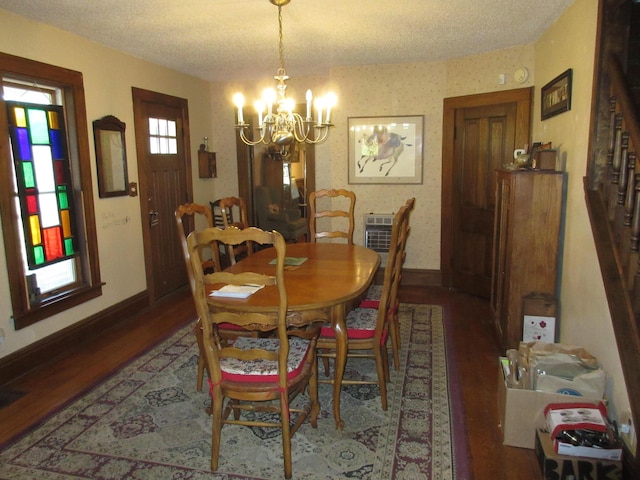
column 164, row 170
column 480, row 134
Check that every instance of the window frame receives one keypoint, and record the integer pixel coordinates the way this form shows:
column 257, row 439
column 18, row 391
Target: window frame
column 90, row 286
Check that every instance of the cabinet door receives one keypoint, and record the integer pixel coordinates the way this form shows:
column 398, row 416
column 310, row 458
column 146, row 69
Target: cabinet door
column 500, row 249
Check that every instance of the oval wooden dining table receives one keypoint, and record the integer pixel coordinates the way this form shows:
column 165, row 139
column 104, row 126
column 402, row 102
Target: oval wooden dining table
column 332, row 278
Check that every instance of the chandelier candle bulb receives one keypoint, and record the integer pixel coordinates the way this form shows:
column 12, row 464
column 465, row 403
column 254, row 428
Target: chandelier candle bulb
column 309, row 98
column 238, row 99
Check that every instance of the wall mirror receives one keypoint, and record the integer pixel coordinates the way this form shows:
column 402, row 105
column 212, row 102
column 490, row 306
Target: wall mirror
column 111, row 156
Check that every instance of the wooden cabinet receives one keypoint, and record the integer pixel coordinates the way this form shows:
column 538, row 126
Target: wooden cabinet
column 528, row 216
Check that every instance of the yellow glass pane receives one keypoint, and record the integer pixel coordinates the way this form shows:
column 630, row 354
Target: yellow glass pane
column 34, row 222
column 21, row 118
column 53, row 120
column 66, row 223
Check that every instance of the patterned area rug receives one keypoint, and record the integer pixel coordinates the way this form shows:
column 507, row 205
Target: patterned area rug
column 148, row 422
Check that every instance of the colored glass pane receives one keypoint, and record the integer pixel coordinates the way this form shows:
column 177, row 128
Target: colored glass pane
column 56, row 144
column 53, row 119
column 38, row 255
column 38, row 126
column 32, row 204
column 66, row 223
column 21, row 119
column 52, row 243
column 58, row 166
column 43, row 166
column 24, row 147
column 63, row 200
column 68, row 246
column 34, row 226
column 49, row 210
column 27, row 175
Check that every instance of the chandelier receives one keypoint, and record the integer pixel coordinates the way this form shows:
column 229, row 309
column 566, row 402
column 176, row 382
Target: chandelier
column 277, row 122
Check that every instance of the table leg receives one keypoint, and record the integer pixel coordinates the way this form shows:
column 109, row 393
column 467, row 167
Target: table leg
column 339, row 327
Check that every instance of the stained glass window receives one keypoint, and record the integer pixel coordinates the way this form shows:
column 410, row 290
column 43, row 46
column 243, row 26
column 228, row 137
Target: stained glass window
column 38, row 144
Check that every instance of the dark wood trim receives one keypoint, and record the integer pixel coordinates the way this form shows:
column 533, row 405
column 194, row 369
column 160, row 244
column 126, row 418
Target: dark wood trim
column 24, row 360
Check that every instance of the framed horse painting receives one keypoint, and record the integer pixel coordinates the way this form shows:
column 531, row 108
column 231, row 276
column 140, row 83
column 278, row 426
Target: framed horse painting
column 386, row 149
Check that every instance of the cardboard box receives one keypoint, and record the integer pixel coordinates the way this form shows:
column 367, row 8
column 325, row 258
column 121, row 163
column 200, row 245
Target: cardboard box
column 555, row 466
column 521, row 411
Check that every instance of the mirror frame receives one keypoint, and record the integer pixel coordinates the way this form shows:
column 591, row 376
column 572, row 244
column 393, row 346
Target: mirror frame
column 111, row 156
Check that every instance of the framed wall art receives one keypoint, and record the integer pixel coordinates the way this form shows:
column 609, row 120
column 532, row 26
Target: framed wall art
column 386, row 149
column 556, row 95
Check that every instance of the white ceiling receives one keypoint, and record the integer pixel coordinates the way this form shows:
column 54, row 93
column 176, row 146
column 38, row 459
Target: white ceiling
column 238, row 39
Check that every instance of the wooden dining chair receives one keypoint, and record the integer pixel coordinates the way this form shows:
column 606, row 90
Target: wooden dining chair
column 342, row 208
column 233, row 211
column 211, row 263
column 372, row 297
column 258, row 375
column 368, row 328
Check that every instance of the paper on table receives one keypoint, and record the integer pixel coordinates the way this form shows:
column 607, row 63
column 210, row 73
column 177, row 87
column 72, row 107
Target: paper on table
column 290, row 260
column 236, row 291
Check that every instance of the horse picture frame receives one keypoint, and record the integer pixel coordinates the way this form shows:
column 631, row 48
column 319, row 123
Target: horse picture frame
column 386, row 150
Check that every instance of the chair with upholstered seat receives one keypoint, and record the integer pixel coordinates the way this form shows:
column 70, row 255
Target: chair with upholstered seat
column 368, row 328
column 234, row 214
column 211, row 263
column 258, row 375
column 374, row 292
column 340, row 206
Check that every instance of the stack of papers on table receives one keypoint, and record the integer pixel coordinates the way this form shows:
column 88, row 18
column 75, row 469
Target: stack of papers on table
column 236, row 291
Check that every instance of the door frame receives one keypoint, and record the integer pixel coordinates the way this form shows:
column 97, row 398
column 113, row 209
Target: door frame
column 523, row 97
column 141, row 96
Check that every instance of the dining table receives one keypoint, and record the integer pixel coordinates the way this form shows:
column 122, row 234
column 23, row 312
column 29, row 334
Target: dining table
column 330, row 277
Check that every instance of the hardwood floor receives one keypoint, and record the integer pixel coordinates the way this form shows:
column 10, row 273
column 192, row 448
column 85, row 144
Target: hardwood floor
column 64, row 378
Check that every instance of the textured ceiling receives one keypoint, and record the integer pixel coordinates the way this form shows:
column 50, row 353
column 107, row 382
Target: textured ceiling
column 238, row 39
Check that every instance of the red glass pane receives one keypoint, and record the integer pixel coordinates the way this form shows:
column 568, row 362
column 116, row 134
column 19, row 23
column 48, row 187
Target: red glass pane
column 59, row 168
column 32, row 204
column 52, row 243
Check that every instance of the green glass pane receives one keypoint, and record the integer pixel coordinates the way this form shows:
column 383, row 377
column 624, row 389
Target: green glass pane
column 38, row 255
column 27, row 173
column 63, row 200
column 39, row 128
column 68, row 246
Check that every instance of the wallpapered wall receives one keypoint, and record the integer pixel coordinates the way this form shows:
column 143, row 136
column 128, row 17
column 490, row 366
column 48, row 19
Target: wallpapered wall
column 386, row 90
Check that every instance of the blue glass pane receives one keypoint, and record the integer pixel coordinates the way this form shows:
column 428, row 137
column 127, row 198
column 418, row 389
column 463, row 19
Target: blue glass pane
column 56, row 145
column 24, row 146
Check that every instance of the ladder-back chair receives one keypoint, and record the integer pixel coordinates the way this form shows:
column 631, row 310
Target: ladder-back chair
column 234, row 214
column 344, row 201
column 259, row 375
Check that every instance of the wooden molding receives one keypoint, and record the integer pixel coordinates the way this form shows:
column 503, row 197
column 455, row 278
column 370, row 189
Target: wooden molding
column 28, row 358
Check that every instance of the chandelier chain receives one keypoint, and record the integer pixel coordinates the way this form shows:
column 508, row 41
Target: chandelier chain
column 281, row 40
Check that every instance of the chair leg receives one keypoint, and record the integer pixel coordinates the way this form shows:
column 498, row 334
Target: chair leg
column 382, row 367
column 312, row 389
column 394, row 332
column 216, row 431
column 201, row 363
column 286, row 435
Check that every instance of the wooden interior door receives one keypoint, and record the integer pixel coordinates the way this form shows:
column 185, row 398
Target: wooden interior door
column 480, row 134
column 164, row 170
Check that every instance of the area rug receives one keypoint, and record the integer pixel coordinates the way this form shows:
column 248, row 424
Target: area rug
column 148, row 422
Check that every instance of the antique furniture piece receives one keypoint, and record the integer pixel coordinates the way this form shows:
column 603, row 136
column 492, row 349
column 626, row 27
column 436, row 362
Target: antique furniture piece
column 333, row 277
column 367, row 328
column 262, row 374
column 525, row 245
column 273, row 214
column 343, row 211
column 234, row 214
column 375, row 291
